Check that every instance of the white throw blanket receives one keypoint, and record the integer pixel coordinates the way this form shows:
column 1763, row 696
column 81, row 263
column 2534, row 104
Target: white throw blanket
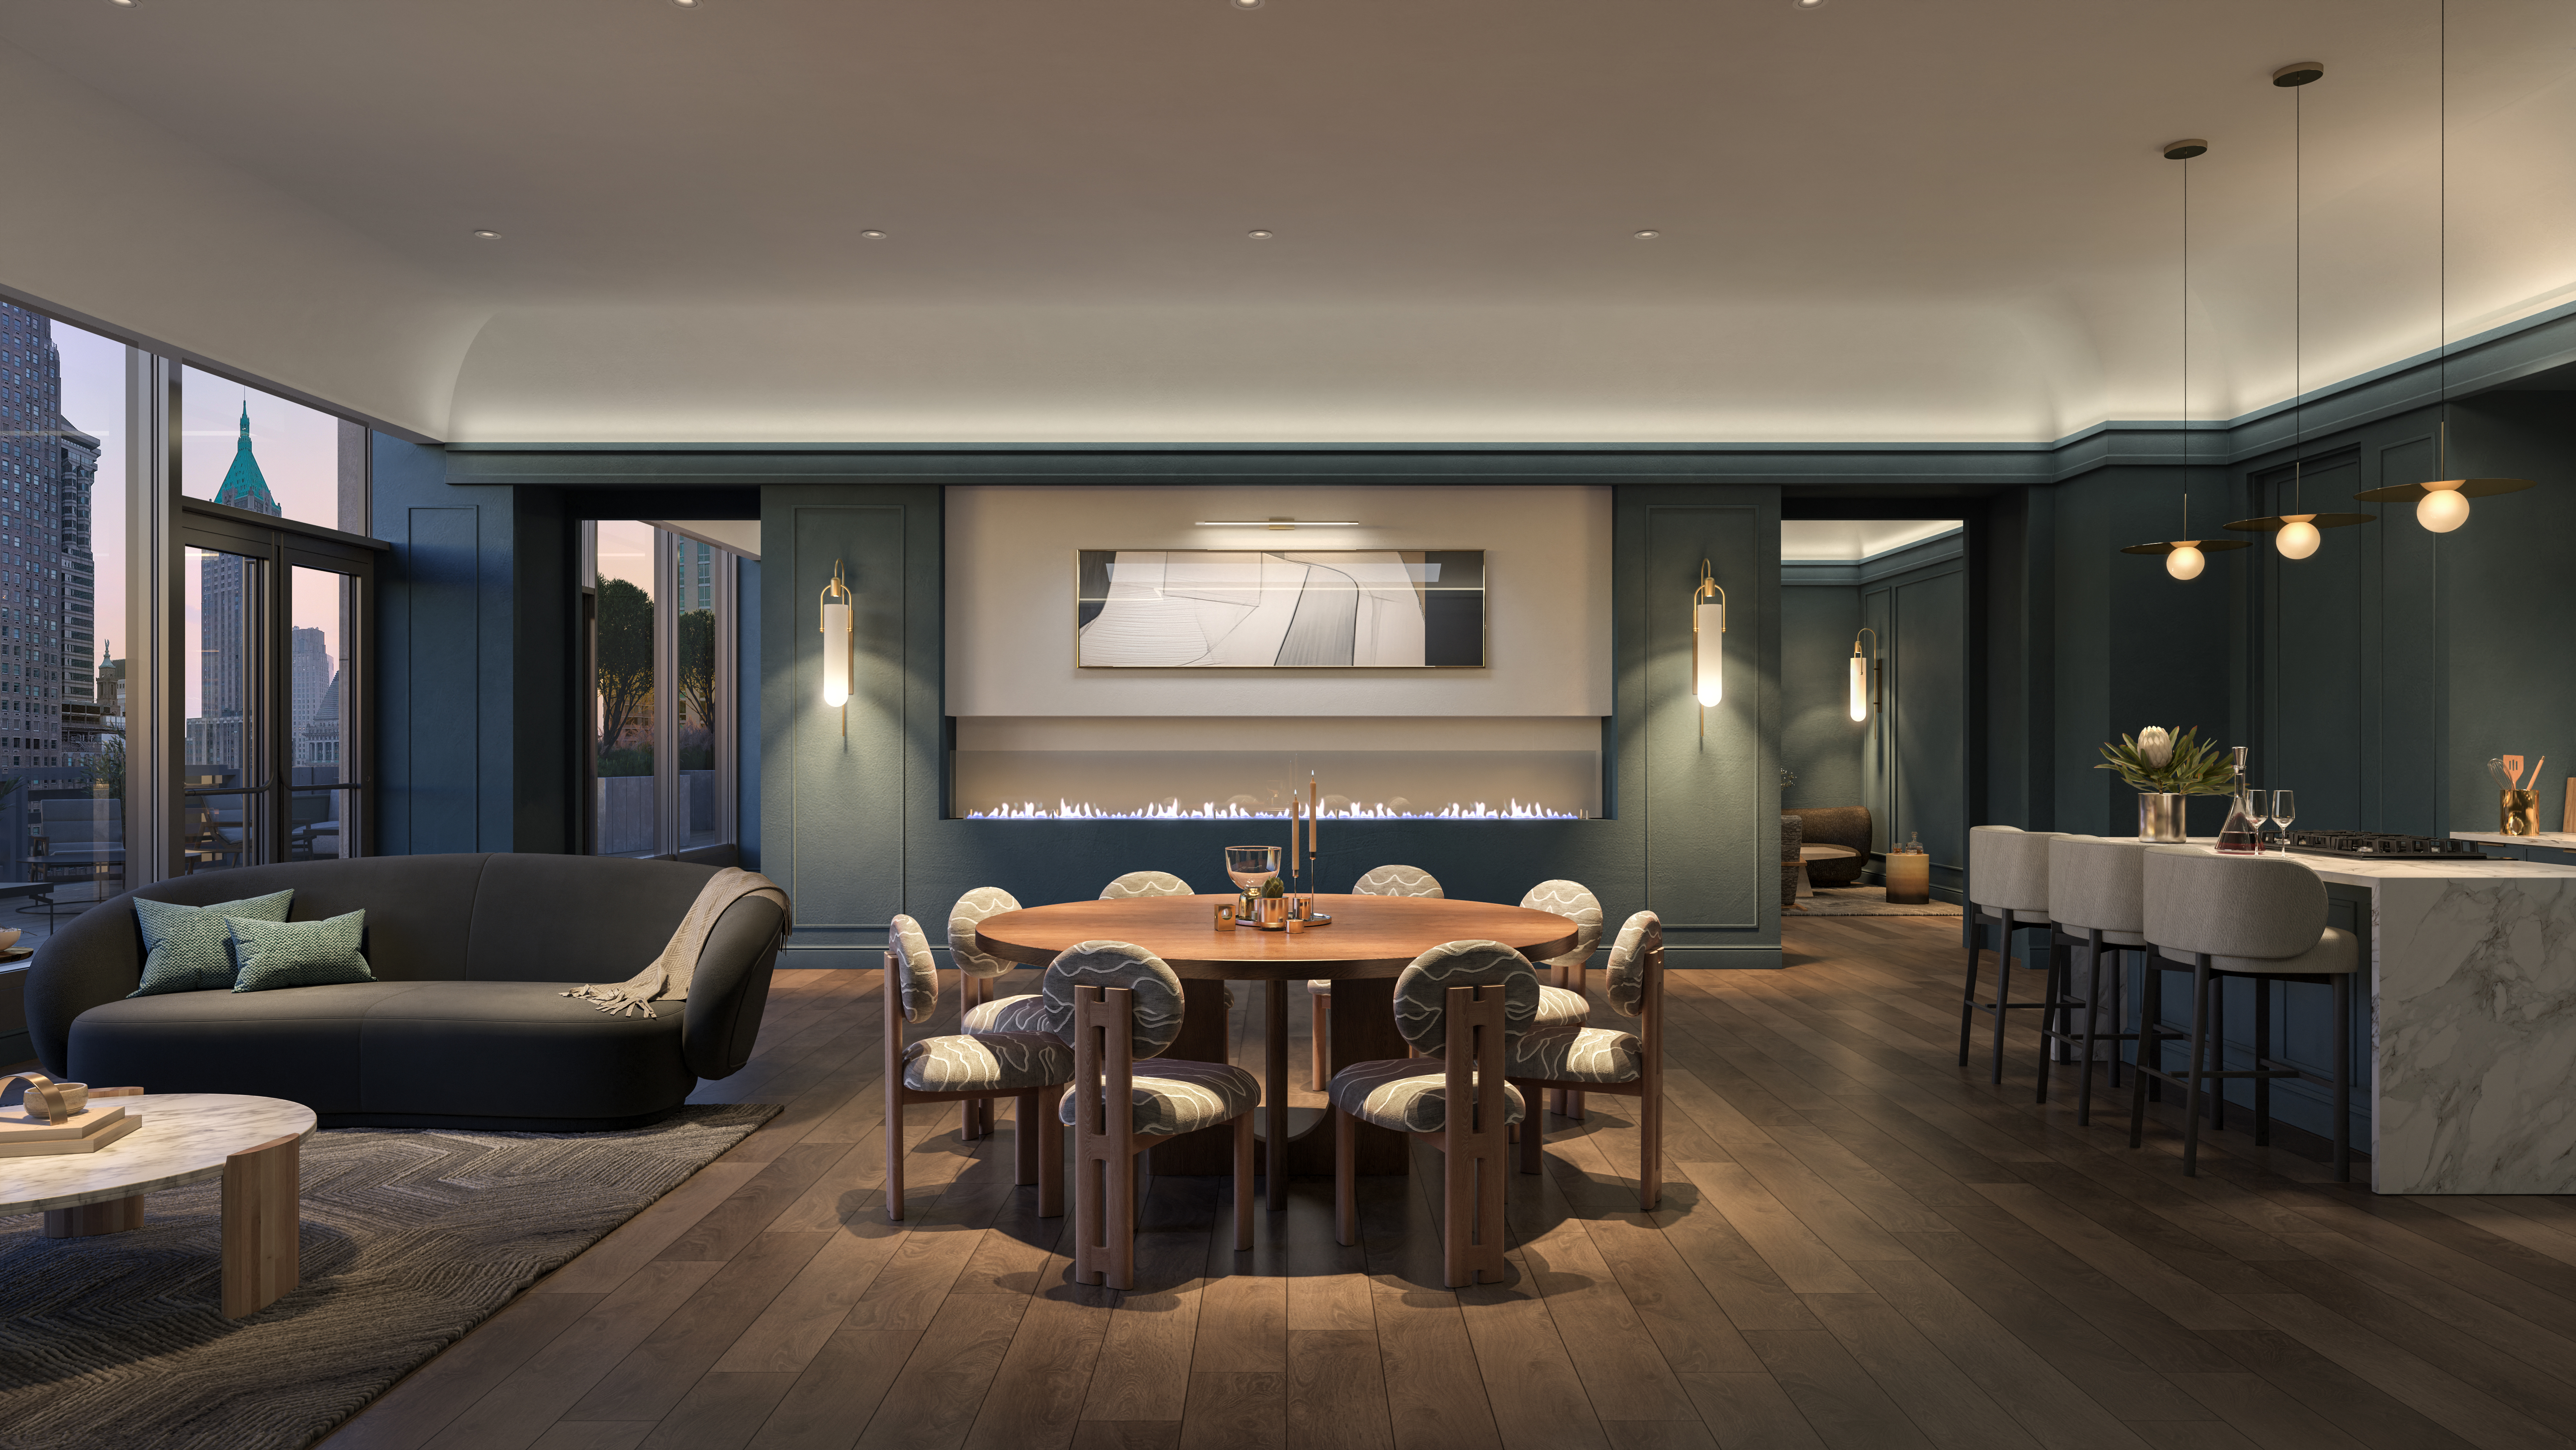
column 667, row 979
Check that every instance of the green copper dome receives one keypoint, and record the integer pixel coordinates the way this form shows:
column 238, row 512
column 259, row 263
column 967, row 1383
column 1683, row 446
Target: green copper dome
column 244, row 487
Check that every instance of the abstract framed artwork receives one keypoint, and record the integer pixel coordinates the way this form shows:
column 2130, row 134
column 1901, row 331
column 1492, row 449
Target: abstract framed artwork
column 1293, row 609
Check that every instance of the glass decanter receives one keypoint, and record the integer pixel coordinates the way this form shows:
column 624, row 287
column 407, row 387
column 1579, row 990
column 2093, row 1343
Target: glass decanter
column 2243, row 833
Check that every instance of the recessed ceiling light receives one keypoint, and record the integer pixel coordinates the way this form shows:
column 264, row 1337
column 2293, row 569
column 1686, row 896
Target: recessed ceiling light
column 1245, row 4
column 872, row 234
column 1648, row 235
column 1808, row 4
column 128, row 4
column 1258, row 236
column 487, row 236
column 686, row 4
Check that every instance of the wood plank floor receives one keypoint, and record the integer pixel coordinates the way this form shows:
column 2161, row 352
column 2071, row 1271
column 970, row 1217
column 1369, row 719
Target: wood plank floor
column 1861, row 1245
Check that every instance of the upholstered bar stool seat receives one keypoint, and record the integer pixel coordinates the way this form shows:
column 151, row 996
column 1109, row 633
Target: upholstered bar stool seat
column 2097, row 893
column 2262, row 917
column 2008, row 886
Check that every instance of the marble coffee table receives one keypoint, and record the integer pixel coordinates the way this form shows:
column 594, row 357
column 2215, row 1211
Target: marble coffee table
column 250, row 1143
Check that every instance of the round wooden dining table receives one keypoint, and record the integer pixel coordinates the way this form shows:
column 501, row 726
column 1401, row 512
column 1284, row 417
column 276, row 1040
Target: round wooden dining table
column 1369, row 938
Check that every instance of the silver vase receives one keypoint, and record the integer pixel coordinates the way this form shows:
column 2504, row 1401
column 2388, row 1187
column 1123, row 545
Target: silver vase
column 2160, row 817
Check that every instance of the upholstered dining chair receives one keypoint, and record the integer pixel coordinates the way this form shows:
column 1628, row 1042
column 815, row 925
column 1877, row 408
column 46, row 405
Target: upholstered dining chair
column 1597, row 1059
column 1144, row 883
column 978, row 1010
column 966, row 1068
column 1121, row 1005
column 1376, row 881
column 1562, row 1005
column 1467, row 1004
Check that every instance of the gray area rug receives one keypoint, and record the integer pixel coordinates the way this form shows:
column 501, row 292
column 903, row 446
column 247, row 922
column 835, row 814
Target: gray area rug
column 410, row 1238
column 1864, row 901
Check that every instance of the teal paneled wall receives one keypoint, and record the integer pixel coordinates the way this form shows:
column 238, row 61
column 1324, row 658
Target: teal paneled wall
column 1917, row 763
column 855, row 829
column 2508, row 581
column 1818, row 741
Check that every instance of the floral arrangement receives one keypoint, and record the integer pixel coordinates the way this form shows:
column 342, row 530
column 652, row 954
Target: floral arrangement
column 2171, row 764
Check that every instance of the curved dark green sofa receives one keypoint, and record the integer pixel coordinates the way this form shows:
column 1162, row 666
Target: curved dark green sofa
column 464, row 1026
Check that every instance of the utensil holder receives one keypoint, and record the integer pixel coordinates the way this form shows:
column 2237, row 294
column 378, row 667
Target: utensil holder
column 2518, row 812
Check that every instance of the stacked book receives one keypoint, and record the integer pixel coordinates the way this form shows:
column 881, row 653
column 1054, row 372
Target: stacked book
column 86, row 1131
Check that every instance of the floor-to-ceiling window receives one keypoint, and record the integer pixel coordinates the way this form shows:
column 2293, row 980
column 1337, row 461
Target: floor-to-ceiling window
column 276, row 581
column 62, row 618
column 657, row 612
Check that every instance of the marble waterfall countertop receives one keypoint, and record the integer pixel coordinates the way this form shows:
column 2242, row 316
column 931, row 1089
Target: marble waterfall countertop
column 2554, row 840
column 2473, row 983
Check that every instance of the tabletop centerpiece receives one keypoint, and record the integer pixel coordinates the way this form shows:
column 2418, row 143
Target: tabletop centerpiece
column 2163, row 768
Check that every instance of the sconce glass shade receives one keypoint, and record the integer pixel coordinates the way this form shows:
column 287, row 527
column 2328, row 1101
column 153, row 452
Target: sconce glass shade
column 2297, row 539
column 836, row 655
column 2442, row 509
column 1708, row 673
column 837, row 600
column 2185, row 562
column 1859, row 686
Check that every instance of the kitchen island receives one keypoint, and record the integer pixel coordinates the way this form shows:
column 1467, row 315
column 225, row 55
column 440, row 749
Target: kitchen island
column 2473, row 1042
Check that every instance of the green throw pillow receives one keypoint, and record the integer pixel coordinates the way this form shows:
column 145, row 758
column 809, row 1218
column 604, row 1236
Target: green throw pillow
column 188, row 948
column 299, row 953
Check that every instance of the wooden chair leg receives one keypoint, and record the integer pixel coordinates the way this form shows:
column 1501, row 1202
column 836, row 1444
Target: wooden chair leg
column 894, row 1147
column 1038, row 1125
column 1574, row 1105
column 1024, row 1139
column 262, row 1193
column 1321, row 1042
column 1243, row 1182
column 1650, row 1146
column 1346, row 1195
column 1532, row 1141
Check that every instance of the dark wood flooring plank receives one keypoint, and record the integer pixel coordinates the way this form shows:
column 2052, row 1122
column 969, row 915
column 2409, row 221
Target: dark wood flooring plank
column 720, row 1412
column 1804, row 1261
column 656, row 1374
column 1127, row 1435
column 513, row 1413
column 640, row 1240
column 2334, row 1394
column 2051, row 1408
column 1336, row 1395
column 2182, row 1300
column 1944, row 1404
column 424, row 1401
column 1236, row 1410
column 1658, row 1435
column 1847, row 1408
column 2441, row 1398
column 1037, row 1395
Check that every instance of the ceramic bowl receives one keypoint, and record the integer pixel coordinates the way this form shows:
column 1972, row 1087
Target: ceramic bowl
column 75, row 1098
column 8, row 938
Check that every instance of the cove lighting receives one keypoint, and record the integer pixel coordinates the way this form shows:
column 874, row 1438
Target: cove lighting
column 1278, row 523
column 1211, row 811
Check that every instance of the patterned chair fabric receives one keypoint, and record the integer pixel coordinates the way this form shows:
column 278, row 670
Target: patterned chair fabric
column 1398, row 881
column 1590, row 1054
column 1026, row 1012
column 1638, row 935
column 1406, row 1094
column 1569, row 899
column 1386, row 881
column 1116, row 964
column 969, row 912
column 1144, row 883
column 1180, row 1096
column 1560, row 1009
column 916, row 970
column 993, row 1062
column 1422, row 991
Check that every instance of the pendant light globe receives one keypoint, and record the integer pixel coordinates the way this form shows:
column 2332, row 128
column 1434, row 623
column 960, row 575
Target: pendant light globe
column 2442, row 509
column 2185, row 562
column 2297, row 539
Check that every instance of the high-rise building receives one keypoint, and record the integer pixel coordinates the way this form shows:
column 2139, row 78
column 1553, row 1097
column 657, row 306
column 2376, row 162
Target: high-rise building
column 49, row 720
column 215, row 733
column 312, row 681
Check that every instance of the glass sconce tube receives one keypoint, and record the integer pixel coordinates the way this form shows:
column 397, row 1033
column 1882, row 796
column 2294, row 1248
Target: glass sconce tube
column 836, row 639
column 1708, row 635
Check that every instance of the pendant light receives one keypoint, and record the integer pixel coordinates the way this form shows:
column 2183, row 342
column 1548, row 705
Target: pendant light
column 2295, row 535
column 2184, row 557
column 2443, row 504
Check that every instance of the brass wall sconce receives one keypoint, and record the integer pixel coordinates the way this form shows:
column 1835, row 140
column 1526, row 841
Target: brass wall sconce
column 1861, row 695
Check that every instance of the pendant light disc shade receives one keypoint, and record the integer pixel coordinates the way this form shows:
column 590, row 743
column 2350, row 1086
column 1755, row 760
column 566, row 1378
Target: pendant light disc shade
column 1708, row 659
column 2464, row 487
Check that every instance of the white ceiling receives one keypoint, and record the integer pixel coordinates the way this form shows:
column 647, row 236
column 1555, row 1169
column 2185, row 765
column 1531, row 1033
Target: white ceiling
column 1848, row 541
column 1881, row 219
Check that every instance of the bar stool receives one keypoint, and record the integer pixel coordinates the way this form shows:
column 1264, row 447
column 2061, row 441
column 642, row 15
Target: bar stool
column 2262, row 917
column 2097, row 893
column 2007, row 885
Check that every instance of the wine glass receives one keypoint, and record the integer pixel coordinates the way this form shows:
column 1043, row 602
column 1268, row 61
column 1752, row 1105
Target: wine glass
column 2257, row 805
column 2285, row 809
column 1251, row 866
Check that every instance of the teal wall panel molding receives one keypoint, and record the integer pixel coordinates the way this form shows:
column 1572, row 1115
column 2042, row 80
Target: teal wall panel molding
column 846, row 792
